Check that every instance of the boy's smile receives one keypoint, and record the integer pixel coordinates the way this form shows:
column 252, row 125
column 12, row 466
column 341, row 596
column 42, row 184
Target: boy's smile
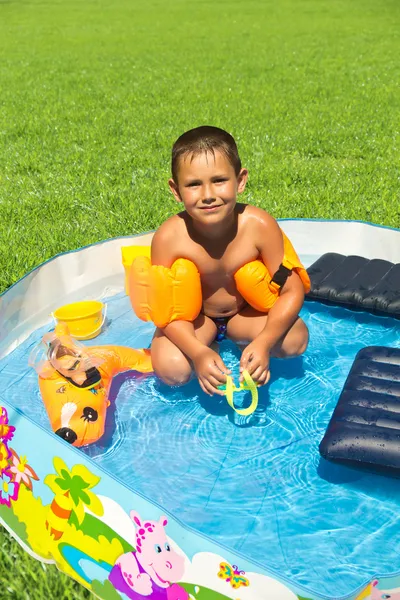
column 208, row 186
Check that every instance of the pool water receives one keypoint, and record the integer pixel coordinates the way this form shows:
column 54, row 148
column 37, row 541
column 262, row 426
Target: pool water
column 256, row 484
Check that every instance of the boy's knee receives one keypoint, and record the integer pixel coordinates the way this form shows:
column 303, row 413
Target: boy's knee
column 291, row 350
column 294, row 345
column 174, row 379
column 300, row 347
column 174, row 372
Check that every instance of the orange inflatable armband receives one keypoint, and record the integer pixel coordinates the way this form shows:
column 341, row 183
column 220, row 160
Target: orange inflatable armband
column 253, row 280
column 129, row 253
column 164, row 295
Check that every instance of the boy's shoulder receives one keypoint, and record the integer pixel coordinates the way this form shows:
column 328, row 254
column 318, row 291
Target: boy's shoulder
column 169, row 240
column 257, row 218
column 169, row 228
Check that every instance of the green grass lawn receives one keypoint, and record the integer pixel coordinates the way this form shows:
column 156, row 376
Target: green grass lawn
column 94, row 93
column 23, row 578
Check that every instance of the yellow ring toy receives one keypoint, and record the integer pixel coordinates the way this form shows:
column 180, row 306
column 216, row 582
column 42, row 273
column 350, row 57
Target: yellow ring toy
column 249, row 385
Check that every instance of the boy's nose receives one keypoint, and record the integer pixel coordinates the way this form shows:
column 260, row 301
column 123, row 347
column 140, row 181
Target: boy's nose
column 208, row 199
column 207, row 193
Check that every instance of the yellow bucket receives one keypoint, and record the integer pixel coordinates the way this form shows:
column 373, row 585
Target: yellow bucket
column 84, row 319
column 129, row 253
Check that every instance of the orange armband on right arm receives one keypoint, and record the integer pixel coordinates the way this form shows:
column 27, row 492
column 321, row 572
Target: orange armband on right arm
column 257, row 285
column 163, row 295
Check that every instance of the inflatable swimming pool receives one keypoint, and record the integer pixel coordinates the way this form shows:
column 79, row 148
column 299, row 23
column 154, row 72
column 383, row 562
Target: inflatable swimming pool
column 182, row 498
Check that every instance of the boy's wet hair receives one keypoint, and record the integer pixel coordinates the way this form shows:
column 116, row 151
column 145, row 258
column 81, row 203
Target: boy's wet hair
column 205, row 139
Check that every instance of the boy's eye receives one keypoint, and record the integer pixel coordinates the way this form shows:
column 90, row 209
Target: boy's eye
column 221, row 180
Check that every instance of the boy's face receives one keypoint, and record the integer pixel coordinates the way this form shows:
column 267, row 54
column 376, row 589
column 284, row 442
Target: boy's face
column 208, row 186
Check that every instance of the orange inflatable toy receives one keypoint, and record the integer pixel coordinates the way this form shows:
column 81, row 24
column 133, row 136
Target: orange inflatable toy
column 75, row 381
column 164, row 295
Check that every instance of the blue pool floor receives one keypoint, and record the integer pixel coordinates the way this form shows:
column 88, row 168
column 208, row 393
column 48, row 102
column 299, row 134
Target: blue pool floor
column 258, row 484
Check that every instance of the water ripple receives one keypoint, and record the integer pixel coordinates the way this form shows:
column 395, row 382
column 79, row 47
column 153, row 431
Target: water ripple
column 257, row 485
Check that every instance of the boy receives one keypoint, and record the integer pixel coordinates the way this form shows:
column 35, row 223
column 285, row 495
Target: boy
column 219, row 236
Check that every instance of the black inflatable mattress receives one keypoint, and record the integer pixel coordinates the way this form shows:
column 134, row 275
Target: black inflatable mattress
column 354, row 281
column 365, row 425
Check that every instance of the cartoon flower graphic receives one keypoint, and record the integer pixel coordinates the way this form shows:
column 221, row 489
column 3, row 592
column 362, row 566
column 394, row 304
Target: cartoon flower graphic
column 6, row 430
column 8, row 488
column 4, row 456
column 21, row 471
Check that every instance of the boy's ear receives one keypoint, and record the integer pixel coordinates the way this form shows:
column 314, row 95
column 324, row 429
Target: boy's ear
column 242, row 180
column 175, row 190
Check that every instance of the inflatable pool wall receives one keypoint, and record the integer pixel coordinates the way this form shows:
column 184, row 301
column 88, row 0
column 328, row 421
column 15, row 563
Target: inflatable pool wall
column 63, row 509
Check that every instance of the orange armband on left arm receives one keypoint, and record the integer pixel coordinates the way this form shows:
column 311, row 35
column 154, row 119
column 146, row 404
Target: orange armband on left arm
column 163, row 295
column 257, row 286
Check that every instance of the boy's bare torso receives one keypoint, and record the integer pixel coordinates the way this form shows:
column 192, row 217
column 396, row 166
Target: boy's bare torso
column 218, row 259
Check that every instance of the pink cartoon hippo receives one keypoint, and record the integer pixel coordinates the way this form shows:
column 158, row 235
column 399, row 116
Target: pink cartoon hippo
column 153, row 569
column 382, row 594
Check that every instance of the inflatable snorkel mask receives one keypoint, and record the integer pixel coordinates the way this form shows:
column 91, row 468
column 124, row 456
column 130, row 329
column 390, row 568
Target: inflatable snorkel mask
column 74, row 363
column 68, row 357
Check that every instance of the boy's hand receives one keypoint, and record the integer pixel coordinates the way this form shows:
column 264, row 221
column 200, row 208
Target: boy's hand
column 255, row 359
column 210, row 371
